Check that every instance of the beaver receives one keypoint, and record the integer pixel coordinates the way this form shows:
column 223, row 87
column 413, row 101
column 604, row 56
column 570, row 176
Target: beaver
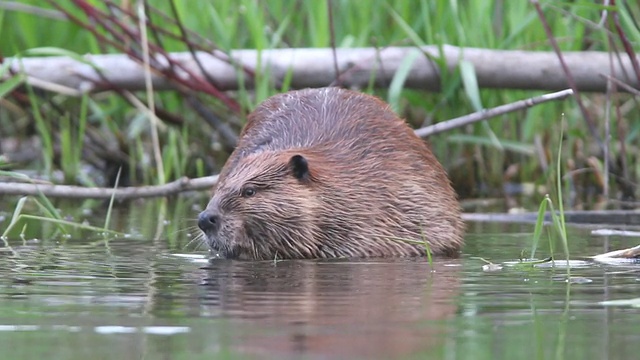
column 326, row 173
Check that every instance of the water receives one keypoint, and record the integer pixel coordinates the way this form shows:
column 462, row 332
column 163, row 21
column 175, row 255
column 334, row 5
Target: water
column 161, row 299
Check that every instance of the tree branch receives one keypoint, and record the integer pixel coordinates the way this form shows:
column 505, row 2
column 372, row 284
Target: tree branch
column 75, row 192
column 489, row 113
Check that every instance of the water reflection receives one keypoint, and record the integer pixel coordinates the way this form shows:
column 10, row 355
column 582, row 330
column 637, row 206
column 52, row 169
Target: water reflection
column 148, row 296
column 338, row 309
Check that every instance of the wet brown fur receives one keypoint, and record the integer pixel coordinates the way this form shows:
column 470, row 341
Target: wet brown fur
column 371, row 183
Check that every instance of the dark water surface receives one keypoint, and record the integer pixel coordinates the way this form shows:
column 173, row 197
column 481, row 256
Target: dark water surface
column 160, row 299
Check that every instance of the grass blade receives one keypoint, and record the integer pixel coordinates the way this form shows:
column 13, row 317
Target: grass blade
column 16, row 216
column 397, row 84
column 8, row 85
column 470, row 82
column 539, row 226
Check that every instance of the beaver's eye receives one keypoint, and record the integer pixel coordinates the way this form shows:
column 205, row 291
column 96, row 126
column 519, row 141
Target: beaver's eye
column 248, row 192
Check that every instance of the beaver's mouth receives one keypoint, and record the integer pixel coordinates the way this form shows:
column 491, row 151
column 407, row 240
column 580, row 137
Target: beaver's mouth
column 222, row 249
column 229, row 253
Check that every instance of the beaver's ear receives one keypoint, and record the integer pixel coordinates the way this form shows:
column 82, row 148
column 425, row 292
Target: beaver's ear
column 299, row 167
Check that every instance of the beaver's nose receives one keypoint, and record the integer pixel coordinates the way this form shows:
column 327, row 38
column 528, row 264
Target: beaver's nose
column 209, row 221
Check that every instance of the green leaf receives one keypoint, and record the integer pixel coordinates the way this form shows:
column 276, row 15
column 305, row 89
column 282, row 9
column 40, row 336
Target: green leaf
column 54, row 51
column 16, row 216
column 8, row 85
column 470, row 82
column 515, row 146
column 397, row 83
column 539, row 226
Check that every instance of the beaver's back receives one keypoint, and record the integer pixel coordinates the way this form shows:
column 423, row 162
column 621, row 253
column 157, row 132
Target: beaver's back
column 343, row 120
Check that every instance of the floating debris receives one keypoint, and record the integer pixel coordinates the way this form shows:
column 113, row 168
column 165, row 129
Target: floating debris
column 491, row 267
column 549, row 263
column 611, row 232
column 578, row 280
column 630, row 256
column 635, row 302
column 195, row 258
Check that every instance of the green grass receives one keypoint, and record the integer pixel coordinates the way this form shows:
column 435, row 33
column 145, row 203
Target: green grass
column 21, row 221
column 557, row 217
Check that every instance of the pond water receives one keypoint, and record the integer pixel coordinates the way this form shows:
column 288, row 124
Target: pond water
column 154, row 295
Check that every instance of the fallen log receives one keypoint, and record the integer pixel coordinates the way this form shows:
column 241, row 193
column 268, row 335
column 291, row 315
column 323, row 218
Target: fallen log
column 314, row 67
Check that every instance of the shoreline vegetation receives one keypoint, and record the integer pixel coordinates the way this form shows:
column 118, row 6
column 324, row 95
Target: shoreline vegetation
column 207, row 182
column 149, row 114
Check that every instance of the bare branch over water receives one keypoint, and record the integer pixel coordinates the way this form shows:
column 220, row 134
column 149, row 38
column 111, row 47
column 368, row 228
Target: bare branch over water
column 67, row 191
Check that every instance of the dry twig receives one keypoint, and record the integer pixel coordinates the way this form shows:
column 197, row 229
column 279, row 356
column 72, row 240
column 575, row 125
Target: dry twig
column 489, row 113
column 79, row 192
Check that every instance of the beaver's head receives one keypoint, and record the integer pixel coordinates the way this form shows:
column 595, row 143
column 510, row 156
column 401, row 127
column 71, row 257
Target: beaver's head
column 262, row 206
